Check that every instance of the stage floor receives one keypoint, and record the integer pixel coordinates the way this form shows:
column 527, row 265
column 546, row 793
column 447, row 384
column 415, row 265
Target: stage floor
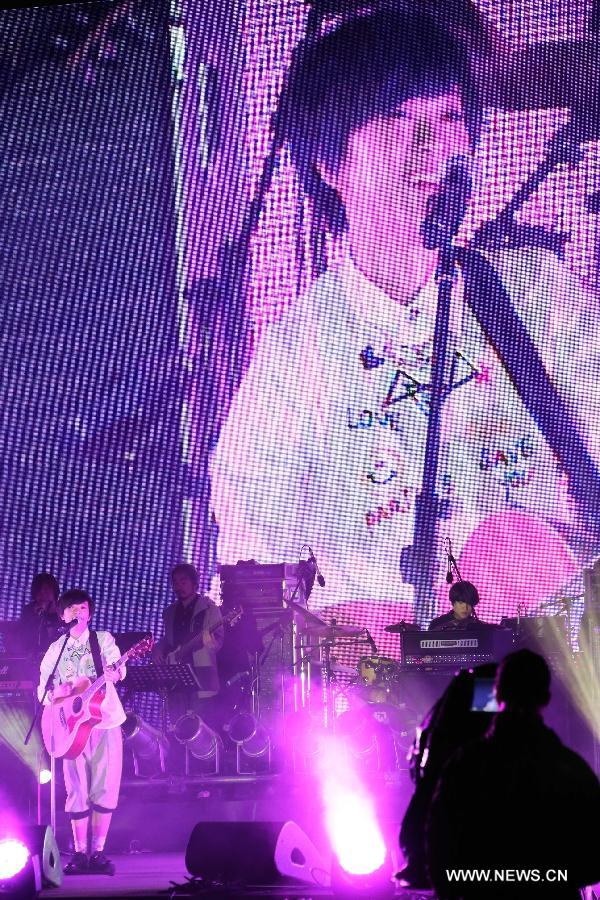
column 137, row 875
column 154, row 875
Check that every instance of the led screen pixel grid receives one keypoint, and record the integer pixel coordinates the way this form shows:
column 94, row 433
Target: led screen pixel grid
column 74, row 493
column 90, row 438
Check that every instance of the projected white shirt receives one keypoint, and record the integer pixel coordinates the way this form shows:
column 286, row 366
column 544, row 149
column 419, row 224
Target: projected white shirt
column 325, row 439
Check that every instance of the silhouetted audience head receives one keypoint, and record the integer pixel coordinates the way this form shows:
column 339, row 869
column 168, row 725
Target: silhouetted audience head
column 523, row 682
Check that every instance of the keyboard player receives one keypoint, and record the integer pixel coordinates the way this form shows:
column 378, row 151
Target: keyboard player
column 464, row 597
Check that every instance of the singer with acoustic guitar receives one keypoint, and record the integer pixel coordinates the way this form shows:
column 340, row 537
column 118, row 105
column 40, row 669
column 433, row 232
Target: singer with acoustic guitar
column 93, row 778
column 194, row 634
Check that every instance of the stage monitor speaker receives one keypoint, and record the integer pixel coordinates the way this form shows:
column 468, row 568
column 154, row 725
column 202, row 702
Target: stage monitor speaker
column 254, row 853
column 42, row 843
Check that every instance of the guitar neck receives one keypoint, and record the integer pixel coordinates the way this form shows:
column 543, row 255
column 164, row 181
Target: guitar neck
column 197, row 640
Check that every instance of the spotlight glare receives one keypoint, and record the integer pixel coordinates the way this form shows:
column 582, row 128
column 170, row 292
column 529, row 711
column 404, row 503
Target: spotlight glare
column 45, row 776
column 13, row 858
column 357, row 839
column 350, row 816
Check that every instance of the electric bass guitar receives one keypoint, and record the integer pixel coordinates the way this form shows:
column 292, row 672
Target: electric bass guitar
column 179, row 654
column 68, row 721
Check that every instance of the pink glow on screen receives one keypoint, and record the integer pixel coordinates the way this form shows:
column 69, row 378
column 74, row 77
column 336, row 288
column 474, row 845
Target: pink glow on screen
column 488, row 557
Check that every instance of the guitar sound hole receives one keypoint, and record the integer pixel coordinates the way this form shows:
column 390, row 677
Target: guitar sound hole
column 77, row 705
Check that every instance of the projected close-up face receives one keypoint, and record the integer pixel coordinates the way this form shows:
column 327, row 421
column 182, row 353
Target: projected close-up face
column 394, row 163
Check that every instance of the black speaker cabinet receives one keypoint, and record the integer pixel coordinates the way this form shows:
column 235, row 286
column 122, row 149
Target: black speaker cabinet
column 255, row 853
column 234, row 851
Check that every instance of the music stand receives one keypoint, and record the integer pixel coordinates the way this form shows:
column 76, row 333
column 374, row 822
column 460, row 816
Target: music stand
column 161, row 678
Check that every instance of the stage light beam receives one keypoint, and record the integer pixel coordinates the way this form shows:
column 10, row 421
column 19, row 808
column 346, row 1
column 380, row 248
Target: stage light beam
column 350, row 816
column 14, row 855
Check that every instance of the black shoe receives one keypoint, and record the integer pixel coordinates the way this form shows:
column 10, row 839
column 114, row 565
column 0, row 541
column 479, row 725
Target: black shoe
column 77, row 864
column 101, row 864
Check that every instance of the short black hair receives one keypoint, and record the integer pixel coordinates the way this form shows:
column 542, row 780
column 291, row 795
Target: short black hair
column 73, row 596
column 44, row 579
column 364, row 69
column 188, row 570
column 464, row 592
column 523, row 681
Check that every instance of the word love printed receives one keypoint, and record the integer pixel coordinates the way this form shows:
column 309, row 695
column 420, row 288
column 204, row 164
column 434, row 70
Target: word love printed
column 366, row 418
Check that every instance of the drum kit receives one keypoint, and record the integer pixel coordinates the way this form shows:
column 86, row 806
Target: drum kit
column 372, row 686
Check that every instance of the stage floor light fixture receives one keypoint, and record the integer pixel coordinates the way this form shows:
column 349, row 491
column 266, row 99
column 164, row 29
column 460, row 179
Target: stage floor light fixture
column 199, row 741
column 14, row 855
column 148, row 745
column 253, row 744
column 20, row 873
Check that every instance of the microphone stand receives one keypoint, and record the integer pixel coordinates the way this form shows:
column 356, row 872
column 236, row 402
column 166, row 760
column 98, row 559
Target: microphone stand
column 36, row 716
column 563, row 149
column 439, row 230
column 442, row 222
column 454, row 565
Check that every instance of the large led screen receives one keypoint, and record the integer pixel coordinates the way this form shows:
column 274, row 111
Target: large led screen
column 220, row 304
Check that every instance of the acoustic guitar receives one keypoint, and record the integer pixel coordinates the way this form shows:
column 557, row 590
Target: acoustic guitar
column 68, row 721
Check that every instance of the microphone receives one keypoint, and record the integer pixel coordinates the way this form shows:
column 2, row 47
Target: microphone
column 446, row 208
column 66, row 626
column 313, row 558
column 449, row 557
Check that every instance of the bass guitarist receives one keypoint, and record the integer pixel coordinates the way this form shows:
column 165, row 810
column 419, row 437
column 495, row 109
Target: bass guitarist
column 193, row 634
column 92, row 779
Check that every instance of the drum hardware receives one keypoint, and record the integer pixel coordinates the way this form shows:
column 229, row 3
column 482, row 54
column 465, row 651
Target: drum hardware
column 376, row 669
column 377, row 681
column 379, row 736
column 336, row 636
column 334, row 631
column 339, row 668
column 398, row 627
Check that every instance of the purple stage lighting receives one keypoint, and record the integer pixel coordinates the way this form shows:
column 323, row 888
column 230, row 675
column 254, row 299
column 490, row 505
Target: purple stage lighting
column 350, row 813
column 13, row 858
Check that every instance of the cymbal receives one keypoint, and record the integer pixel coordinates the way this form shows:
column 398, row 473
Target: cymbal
column 334, row 631
column 397, row 628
